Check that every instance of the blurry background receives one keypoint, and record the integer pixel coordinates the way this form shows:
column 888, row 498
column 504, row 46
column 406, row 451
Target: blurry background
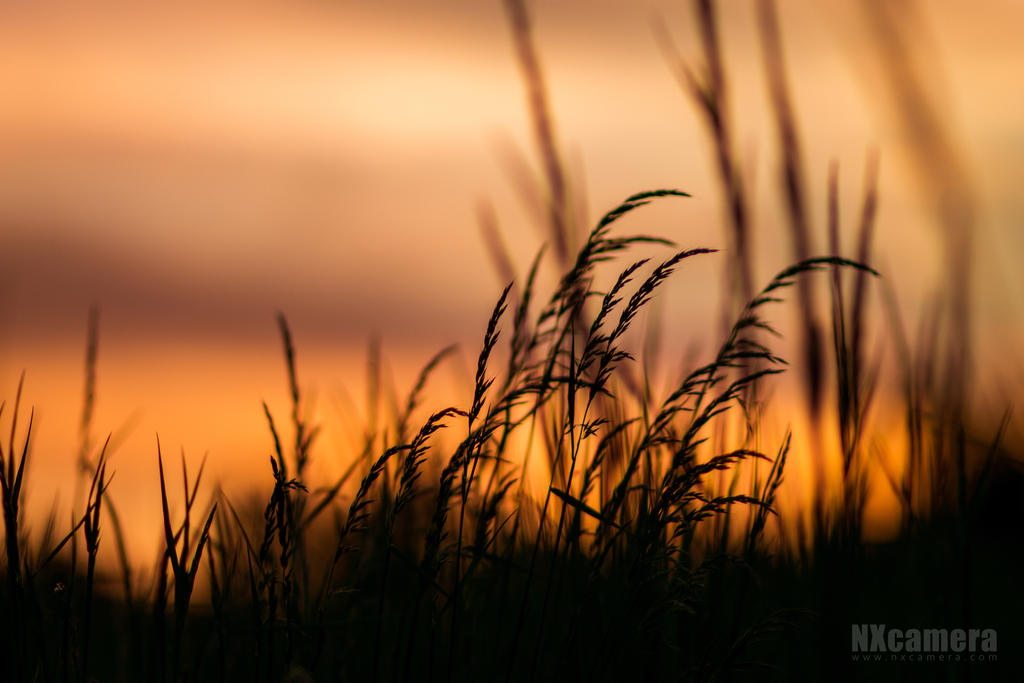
column 193, row 168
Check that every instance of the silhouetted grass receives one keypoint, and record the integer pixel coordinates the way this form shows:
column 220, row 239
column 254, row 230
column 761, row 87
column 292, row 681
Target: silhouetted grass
column 653, row 549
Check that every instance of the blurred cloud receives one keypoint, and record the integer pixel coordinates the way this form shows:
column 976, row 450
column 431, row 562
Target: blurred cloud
column 197, row 161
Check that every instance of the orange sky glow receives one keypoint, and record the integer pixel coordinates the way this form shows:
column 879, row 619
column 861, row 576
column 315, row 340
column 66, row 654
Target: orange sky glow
column 193, row 168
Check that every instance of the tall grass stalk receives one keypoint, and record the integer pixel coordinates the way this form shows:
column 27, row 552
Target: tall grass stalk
column 652, row 547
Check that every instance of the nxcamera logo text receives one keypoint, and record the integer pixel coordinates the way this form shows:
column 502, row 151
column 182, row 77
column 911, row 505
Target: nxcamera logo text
column 879, row 638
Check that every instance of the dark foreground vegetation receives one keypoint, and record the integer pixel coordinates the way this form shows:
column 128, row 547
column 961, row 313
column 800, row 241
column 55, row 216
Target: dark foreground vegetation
column 652, row 551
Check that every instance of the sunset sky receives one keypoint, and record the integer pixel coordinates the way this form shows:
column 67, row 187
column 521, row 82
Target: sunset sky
column 192, row 168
